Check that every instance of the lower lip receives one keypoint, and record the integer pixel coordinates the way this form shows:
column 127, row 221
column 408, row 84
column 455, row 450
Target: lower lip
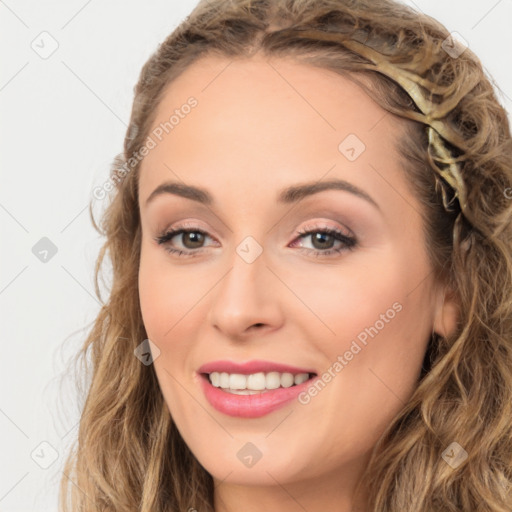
column 250, row 406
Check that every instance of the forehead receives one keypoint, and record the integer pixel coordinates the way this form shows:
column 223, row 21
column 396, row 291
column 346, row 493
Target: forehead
column 275, row 92
column 269, row 123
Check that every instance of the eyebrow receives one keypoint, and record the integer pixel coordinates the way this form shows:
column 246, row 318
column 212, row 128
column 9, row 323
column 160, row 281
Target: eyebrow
column 288, row 195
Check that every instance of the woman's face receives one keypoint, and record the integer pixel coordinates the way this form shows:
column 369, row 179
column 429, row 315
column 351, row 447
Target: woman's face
column 260, row 279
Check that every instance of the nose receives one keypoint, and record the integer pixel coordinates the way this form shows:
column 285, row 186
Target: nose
column 246, row 299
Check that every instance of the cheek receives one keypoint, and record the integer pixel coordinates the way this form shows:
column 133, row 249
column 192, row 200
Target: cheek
column 379, row 318
column 353, row 295
column 376, row 310
column 163, row 291
column 154, row 302
column 172, row 299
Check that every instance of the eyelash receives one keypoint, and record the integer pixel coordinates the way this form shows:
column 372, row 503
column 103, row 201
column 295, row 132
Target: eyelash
column 349, row 242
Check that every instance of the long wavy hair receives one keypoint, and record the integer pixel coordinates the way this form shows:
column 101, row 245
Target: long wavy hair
column 129, row 455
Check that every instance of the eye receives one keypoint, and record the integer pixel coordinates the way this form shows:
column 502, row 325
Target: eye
column 193, row 238
column 323, row 240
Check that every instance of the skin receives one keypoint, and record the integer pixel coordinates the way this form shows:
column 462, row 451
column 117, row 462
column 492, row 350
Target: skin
column 261, row 126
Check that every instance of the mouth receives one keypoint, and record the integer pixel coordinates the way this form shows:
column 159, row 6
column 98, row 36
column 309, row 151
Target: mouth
column 252, row 389
column 256, row 383
column 253, row 395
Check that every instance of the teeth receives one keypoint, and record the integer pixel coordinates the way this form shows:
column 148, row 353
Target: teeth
column 237, row 381
column 273, row 380
column 255, row 382
column 224, row 380
column 301, row 377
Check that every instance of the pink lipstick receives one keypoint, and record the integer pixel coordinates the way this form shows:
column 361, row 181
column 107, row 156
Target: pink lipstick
column 261, row 401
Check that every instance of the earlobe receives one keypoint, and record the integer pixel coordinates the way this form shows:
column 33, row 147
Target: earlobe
column 447, row 314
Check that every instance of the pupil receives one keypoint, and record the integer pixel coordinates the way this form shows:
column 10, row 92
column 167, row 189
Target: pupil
column 195, row 238
column 320, row 237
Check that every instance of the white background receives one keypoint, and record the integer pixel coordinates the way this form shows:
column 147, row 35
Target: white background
column 63, row 119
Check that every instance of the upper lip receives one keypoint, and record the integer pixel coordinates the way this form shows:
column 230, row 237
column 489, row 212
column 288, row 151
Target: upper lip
column 248, row 367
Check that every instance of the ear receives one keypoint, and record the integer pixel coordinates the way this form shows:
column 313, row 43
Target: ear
column 446, row 316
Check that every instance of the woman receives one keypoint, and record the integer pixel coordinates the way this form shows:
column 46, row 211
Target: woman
column 311, row 305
